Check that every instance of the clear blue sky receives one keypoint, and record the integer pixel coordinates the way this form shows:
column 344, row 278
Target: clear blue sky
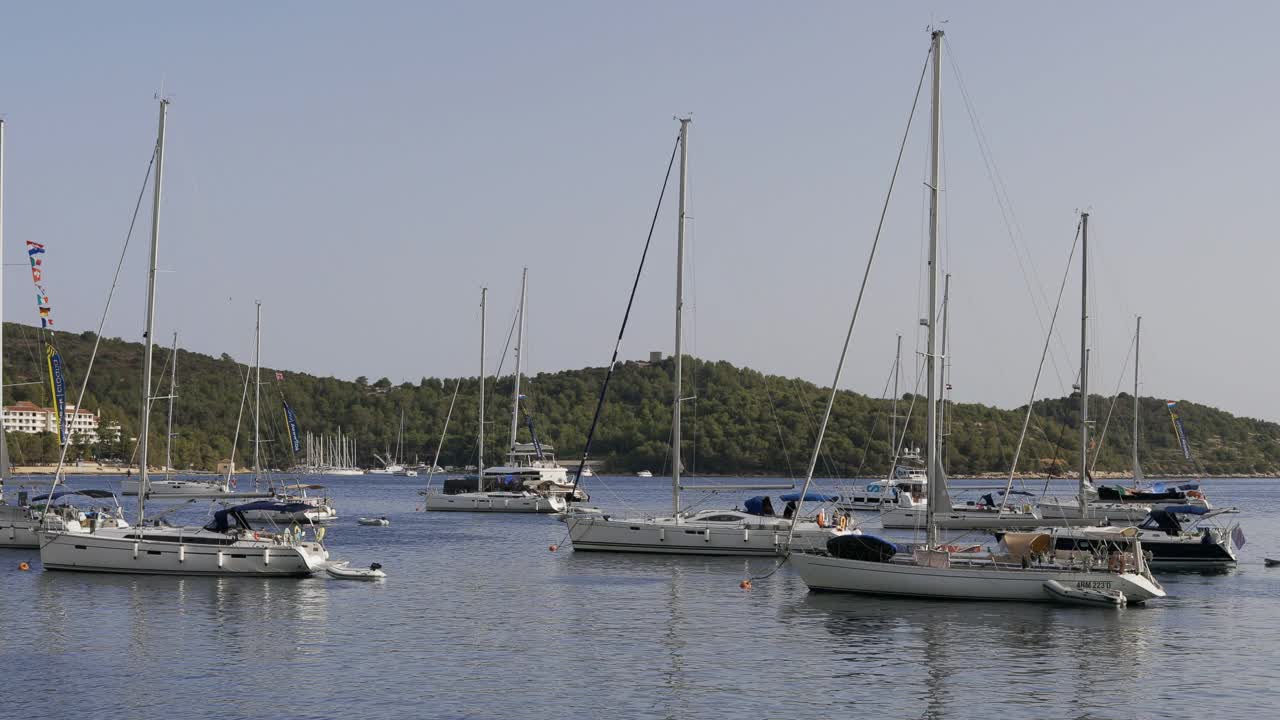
column 364, row 169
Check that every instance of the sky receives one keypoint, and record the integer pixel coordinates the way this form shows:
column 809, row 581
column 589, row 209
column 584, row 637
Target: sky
column 365, row 169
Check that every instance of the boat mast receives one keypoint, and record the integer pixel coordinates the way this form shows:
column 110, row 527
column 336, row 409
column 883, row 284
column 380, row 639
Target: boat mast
column 675, row 403
column 173, row 391
column 1084, row 364
column 946, row 364
column 934, row 477
column 484, row 292
column 1137, row 350
column 4, row 436
column 144, row 479
column 515, row 389
column 257, row 396
column 893, row 427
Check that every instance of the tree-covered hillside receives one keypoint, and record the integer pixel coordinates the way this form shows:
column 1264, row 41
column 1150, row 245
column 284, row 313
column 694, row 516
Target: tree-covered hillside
column 742, row 422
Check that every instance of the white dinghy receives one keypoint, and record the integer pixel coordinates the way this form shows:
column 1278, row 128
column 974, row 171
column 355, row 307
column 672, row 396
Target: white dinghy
column 375, row 522
column 344, row 571
column 1093, row 597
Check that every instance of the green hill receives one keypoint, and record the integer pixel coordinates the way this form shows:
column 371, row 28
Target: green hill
column 743, row 422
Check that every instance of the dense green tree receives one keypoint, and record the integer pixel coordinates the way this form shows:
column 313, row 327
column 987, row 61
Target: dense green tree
column 739, row 422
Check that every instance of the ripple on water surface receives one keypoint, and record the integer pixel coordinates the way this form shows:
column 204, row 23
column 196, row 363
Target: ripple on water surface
column 479, row 619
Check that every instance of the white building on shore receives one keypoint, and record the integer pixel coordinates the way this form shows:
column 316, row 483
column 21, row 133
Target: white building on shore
column 27, row 417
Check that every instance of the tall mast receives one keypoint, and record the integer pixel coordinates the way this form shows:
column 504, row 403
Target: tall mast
column 484, row 292
column 893, row 428
column 946, row 364
column 1084, row 364
column 144, row 479
column 675, row 403
column 4, row 437
column 173, row 391
column 1137, row 350
column 515, row 389
column 257, row 395
column 934, row 477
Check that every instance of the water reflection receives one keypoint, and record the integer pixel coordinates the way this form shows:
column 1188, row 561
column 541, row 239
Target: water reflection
column 1024, row 649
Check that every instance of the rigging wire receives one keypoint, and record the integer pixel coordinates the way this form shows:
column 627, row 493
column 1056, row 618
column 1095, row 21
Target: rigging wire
column 97, row 340
column 1013, row 228
column 1115, row 396
column 857, row 306
column 1031, row 402
column 613, row 362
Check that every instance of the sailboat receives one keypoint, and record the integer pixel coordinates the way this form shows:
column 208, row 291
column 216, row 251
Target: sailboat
column 532, row 464
column 392, row 465
column 291, row 503
column 1026, row 573
column 479, row 493
column 755, row 529
column 905, row 485
column 226, row 546
column 170, row 487
column 1113, row 512
column 1177, row 535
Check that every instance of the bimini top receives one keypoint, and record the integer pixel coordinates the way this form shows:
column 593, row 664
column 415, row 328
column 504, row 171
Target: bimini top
column 222, row 518
column 1166, row 519
column 63, row 493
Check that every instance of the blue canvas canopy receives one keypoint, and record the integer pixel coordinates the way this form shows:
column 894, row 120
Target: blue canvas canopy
column 220, row 522
column 1186, row 509
column 867, row 548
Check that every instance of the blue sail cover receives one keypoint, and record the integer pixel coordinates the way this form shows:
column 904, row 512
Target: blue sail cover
column 1186, row 509
column 64, row 493
column 809, row 497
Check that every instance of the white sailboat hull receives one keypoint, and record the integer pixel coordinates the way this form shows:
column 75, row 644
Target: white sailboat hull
column 497, row 502
column 664, row 535
column 180, row 488
column 960, row 582
column 121, row 552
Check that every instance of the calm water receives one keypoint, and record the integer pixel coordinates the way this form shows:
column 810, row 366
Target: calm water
column 478, row 619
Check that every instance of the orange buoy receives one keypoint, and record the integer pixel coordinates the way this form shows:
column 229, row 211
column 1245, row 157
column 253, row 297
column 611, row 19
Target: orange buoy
column 24, row 566
column 745, row 584
column 553, row 548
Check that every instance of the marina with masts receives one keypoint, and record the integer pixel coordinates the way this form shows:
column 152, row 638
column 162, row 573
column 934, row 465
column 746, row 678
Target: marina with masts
column 653, row 526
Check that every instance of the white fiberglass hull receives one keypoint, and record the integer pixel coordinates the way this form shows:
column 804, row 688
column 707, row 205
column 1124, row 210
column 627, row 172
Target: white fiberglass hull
column 664, row 535
column 960, row 582
column 119, row 551
column 304, row 517
column 179, row 488
column 497, row 502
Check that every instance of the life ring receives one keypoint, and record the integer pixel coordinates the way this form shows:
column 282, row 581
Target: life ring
column 822, row 519
column 844, row 523
column 24, row 566
column 1195, row 494
column 256, row 536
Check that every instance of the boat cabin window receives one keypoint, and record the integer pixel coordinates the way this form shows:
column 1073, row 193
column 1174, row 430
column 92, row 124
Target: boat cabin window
column 721, row 518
